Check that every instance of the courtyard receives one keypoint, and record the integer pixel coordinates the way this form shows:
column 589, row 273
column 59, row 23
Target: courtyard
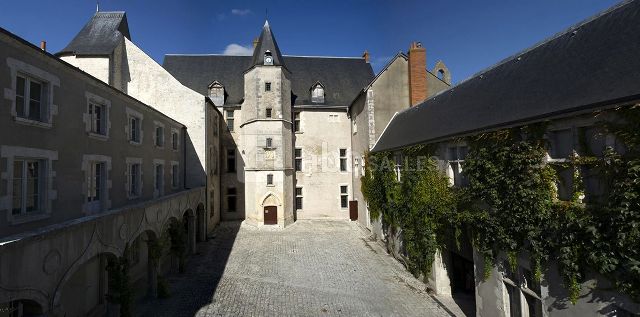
column 313, row 268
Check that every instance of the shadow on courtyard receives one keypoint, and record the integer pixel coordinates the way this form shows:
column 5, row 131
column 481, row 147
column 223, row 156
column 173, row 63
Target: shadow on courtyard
column 195, row 289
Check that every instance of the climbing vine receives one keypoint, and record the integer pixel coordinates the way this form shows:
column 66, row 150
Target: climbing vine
column 511, row 204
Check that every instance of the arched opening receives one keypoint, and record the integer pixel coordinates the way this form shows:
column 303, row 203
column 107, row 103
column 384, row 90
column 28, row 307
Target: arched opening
column 22, row 308
column 189, row 221
column 85, row 292
column 201, row 223
column 144, row 257
column 270, row 209
column 441, row 74
column 169, row 260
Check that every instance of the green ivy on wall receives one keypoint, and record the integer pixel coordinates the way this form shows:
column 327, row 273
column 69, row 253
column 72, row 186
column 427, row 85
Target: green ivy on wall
column 511, row 204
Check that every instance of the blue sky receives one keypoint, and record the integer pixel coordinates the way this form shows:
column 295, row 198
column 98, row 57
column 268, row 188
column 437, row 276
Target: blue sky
column 467, row 35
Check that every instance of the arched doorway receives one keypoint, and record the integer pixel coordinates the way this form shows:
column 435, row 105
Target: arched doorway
column 86, row 290
column 270, row 209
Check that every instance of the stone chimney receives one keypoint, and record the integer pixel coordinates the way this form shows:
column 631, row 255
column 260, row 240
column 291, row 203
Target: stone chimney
column 417, row 73
column 365, row 55
column 43, row 45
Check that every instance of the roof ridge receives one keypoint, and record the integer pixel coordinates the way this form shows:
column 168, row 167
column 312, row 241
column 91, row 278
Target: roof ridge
column 547, row 40
column 316, row 56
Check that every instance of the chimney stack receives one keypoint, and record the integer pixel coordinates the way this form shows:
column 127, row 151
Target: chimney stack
column 417, row 73
column 43, row 45
column 366, row 56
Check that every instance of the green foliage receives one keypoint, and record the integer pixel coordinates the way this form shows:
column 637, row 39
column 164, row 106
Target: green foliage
column 510, row 205
column 119, row 288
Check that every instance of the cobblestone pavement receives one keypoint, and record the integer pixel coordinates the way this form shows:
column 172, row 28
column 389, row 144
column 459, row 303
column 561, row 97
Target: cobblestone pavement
column 312, row 268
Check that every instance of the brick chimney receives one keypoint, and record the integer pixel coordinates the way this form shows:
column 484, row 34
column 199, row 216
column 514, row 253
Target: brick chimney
column 417, row 73
column 365, row 55
column 43, row 45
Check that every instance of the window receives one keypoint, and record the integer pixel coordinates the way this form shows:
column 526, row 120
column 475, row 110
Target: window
column 134, row 129
column 268, row 114
column 398, row 166
column 522, row 292
column 174, row 140
column 175, row 176
column 134, row 180
column 231, row 161
column 96, row 178
column 30, row 103
column 267, row 86
column 298, row 160
column 28, row 186
column 230, row 120
column 298, row 198
column 344, row 196
column 159, row 179
column 343, row 160
column 317, row 94
column 231, row 199
column 159, row 136
column 97, row 117
column 269, row 179
column 456, row 156
column 354, row 123
column 269, row 143
column 296, row 122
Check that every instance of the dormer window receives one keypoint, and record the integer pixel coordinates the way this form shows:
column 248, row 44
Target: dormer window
column 268, row 58
column 216, row 93
column 317, row 93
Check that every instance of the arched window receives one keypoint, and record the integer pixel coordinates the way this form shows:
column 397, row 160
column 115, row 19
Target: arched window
column 317, row 93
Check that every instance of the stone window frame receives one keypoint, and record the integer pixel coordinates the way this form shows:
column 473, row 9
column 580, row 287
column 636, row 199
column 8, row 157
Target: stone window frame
column 297, row 159
column 341, row 194
column 158, row 192
column 297, row 122
column 270, row 180
column 159, row 125
column 315, row 91
column 9, row 154
column 299, row 196
column 86, row 117
column 175, row 177
column 17, row 67
column 129, row 161
column 456, row 163
column 343, row 159
column 175, row 146
column 105, row 202
column 267, row 86
column 134, row 114
column 230, row 115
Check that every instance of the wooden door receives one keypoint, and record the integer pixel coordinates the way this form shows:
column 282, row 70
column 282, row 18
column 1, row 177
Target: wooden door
column 353, row 210
column 271, row 215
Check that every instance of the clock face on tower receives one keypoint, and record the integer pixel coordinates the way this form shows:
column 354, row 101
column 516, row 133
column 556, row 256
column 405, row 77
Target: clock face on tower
column 268, row 60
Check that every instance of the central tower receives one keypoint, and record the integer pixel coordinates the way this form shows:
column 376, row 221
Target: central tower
column 266, row 132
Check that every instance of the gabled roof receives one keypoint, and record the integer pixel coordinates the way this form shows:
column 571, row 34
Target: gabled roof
column 100, row 35
column 591, row 65
column 267, row 42
column 342, row 77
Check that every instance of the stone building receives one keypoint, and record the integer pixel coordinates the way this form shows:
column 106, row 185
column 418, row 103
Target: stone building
column 572, row 82
column 289, row 149
column 87, row 171
column 402, row 83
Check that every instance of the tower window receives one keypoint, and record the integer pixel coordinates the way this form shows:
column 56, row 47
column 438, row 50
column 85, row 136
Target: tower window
column 268, row 114
column 267, row 86
column 298, row 159
column 299, row 198
column 343, row 160
column 269, row 179
column 269, row 143
column 296, row 122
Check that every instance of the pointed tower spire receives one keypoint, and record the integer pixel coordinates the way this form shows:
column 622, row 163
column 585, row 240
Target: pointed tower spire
column 267, row 47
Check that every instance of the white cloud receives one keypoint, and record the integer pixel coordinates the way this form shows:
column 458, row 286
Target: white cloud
column 237, row 49
column 240, row 12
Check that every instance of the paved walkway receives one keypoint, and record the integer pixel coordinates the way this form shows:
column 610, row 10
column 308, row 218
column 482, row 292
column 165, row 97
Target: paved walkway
column 313, row 268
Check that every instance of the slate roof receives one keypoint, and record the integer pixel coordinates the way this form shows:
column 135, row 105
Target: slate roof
column 267, row 42
column 591, row 65
column 343, row 78
column 100, row 35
